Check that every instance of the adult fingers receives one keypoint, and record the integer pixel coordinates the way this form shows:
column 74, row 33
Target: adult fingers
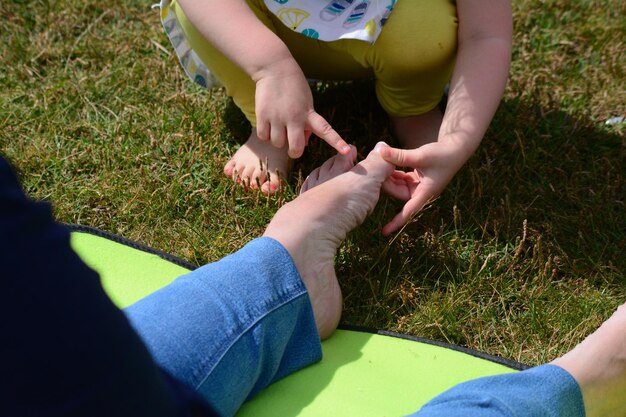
column 324, row 130
column 410, row 158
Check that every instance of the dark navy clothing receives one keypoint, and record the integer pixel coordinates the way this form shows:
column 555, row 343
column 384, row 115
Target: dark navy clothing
column 65, row 349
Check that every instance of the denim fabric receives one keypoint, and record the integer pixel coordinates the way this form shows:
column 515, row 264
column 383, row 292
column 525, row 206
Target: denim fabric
column 233, row 327
column 544, row 391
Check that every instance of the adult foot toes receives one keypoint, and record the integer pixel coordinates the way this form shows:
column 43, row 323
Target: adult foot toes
column 333, row 167
column 312, row 227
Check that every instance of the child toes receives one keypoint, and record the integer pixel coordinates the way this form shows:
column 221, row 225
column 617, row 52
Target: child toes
column 229, row 168
column 272, row 184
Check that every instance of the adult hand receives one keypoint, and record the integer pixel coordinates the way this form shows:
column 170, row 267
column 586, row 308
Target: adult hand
column 433, row 166
column 285, row 113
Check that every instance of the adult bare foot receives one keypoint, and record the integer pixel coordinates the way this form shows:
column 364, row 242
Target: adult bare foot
column 258, row 164
column 598, row 364
column 312, row 227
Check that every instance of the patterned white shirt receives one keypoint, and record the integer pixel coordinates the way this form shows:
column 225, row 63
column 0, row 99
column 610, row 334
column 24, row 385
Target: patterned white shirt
column 330, row 20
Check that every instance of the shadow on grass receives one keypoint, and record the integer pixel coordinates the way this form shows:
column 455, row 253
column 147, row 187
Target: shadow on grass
column 561, row 175
column 546, row 182
column 543, row 196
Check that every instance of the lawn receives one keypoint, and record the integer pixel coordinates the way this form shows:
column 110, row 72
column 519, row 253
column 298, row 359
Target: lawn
column 521, row 256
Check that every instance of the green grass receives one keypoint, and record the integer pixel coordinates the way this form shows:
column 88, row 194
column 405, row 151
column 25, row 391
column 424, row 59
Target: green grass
column 521, row 256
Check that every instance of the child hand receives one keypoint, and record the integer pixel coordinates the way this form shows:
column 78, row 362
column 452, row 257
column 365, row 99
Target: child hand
column 433, row 166
column 285, row 113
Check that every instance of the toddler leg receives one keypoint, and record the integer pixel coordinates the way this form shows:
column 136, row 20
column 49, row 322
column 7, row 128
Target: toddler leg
column 413, row 60
column 257, row 163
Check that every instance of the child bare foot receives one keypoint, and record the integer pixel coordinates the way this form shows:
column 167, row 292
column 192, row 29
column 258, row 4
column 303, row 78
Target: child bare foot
column 598, row 364
column 258, row 164
column 312, row 227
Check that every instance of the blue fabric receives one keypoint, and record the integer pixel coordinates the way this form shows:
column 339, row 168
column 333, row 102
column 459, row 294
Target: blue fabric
column 544, row 391
column 227, row 329
column 232, row 327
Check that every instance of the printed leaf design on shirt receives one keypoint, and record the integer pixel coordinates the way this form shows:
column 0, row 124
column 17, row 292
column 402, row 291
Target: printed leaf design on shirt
column 292, row 16
column 334, row 9
column 281, row 1
column 389, row 8
column 357, row 14
column 200, row 80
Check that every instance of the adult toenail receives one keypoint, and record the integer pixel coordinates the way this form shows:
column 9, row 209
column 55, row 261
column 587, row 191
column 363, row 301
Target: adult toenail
column 380, row 145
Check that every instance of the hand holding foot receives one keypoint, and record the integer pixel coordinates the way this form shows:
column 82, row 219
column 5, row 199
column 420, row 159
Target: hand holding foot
column 433, row 166
column 312, row 226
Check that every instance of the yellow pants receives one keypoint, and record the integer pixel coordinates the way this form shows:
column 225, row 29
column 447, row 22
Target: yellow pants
column 411, row 61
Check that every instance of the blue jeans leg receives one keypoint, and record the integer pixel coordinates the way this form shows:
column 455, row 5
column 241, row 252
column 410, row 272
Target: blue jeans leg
column 232, row 327
column 544, row 391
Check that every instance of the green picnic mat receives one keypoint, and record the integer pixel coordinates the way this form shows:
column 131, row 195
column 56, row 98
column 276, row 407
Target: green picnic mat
column 363, row 373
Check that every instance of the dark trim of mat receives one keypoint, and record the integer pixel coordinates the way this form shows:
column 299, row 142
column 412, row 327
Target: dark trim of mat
column 496, row 359
column 115, row 238
column 188, row 265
